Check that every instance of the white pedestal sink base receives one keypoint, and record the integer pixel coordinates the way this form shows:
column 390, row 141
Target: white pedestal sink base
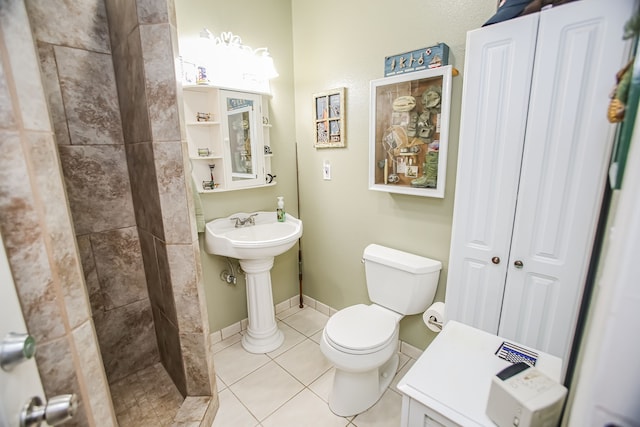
column 262, row 334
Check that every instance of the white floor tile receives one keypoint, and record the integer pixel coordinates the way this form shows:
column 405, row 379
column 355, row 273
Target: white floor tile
column 305, row 361
column 234, row 362
column 220, row 385
column 403, row 359
column 291, row 339
column 266, row 389
column 305, row 409
column 385, row 413
column 322, row 386
column 232, row 412
column 401, row 373
column 317, row 336
column 286, row 313
column 307, row 321
column 269, row 390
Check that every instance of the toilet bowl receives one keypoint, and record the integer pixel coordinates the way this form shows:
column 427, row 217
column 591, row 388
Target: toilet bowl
column 361, row 341
column 365, row 356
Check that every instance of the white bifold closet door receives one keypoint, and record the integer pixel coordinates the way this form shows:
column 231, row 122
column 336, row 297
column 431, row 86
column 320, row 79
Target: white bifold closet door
column 534, row 153
column 497, row 81
column 567, row 149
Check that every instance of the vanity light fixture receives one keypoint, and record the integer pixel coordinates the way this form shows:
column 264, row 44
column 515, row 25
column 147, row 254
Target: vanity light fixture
column 229, row 62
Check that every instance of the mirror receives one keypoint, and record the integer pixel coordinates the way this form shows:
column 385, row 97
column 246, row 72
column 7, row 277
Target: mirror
column 242, row 139
column 240, row 142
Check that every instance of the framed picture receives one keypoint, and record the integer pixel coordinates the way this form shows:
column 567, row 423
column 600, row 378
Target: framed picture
column 328, row 119
column 409, row 132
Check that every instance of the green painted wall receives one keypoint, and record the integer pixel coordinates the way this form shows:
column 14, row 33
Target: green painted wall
column 264, row 23
column 319, row 46
column 343, row 44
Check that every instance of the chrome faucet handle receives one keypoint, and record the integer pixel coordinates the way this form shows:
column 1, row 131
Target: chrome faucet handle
column 252, row 219
column 239, row 222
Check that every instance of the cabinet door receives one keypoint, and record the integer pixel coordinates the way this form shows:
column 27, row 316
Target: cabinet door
column 566, row 155
column 243, row 139
column 497, row 79
column 415, row 414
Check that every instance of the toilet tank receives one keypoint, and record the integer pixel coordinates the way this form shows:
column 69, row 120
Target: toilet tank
column 400, row 281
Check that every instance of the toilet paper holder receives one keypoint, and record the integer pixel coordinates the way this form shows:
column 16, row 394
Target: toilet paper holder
column 434, row 316
column 433, row 321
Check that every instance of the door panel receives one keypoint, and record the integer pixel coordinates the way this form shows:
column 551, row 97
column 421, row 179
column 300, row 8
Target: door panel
column 538, row 296
column 497, row 78
column 23, row 381
column 483, row 294
column 567, row 147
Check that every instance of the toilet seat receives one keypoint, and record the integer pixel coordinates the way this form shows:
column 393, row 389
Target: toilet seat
column 361, row 329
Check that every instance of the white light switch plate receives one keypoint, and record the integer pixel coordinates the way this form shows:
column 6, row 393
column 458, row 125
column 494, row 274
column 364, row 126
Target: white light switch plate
column 326, row 170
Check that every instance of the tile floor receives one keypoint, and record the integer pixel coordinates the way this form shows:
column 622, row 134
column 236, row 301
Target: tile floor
column 290, row 386
column 146, row 398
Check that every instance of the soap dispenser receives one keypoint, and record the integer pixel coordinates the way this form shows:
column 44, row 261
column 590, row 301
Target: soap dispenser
column 280, row 210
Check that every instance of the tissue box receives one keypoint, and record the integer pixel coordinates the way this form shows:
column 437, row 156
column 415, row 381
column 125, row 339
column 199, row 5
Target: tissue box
column 520, row 395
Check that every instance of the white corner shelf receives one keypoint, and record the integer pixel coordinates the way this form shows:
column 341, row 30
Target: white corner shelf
column 205, row 157
column 226, row 190
column 203, row 124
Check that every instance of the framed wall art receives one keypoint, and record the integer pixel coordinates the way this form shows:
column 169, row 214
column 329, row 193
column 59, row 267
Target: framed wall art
column 329, row 119
column 409, row 132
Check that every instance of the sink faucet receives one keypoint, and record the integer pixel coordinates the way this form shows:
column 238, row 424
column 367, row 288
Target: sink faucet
column 245, row 222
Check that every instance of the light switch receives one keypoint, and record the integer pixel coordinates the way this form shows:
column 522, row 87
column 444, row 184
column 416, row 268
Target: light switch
column 326, row 170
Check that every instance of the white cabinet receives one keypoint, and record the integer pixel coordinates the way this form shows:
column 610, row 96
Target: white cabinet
column 534, row 151
column 415, row 414
column 448, row 385
column 228, row 138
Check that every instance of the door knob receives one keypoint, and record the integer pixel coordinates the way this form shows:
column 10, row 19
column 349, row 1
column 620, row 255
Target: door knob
column 57, row 410
column 495, row 260
column 518, row 264
column 16, row 348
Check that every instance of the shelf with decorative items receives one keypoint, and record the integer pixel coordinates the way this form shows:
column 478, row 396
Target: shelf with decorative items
column 266, row 142
column 228, row 138
column 408, row 135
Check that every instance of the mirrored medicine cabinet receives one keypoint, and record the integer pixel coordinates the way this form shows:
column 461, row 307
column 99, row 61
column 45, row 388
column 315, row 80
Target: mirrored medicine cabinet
column 228, row 138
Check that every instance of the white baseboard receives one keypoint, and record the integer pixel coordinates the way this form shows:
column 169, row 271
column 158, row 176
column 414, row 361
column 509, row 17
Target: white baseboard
column 238, row 327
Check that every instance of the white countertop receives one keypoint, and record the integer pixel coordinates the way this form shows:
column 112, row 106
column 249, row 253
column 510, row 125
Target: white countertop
column 453, row 375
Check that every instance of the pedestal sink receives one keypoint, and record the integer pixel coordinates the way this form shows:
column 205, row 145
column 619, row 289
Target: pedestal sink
column 255, row 240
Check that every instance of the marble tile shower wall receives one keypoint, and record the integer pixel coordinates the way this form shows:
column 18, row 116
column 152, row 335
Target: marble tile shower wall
column 125, row 182
column 144, row 45
column 38, row 233
column 79, row 80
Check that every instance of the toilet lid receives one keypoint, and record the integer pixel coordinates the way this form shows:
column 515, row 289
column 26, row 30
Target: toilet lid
column 361, row 327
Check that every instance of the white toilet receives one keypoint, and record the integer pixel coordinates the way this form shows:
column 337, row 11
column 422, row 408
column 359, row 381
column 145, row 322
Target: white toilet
column 362, row 340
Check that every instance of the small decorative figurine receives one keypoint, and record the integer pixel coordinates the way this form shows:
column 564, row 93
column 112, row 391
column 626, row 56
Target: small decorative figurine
column 203, row 152
column 210, row 185
column 431, row 98
column 203, row 117
column 202, row 79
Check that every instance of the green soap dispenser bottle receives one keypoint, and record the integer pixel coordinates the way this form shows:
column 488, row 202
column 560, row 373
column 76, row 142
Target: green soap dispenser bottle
column 280, row 210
